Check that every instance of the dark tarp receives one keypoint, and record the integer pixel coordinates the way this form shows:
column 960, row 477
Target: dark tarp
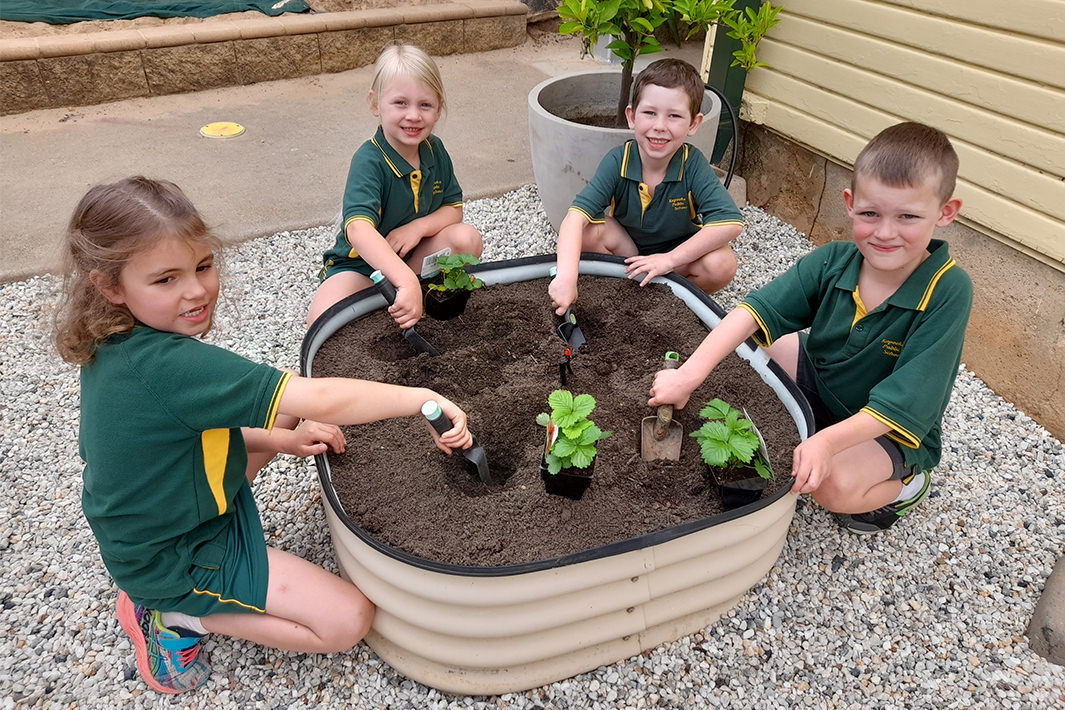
column 62, row 12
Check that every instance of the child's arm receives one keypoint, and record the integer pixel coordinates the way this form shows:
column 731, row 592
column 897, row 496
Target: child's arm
column 377, row 252
column 587, row 205
column 348, row 401
column 563, row 288
column 811, row 462
column 404, row 238
column 708, row 239
column 676, row 386
column 308, row 439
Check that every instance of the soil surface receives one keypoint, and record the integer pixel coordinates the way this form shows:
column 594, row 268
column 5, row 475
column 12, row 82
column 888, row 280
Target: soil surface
column 499, row 362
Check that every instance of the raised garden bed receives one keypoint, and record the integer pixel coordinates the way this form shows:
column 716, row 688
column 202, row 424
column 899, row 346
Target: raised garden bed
column 486, row 590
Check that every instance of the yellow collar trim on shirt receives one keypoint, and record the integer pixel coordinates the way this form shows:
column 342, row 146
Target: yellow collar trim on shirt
column 385, row 156
column 932, row 284
column 859, row 307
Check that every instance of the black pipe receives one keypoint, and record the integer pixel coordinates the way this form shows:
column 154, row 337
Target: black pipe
column 735, row 134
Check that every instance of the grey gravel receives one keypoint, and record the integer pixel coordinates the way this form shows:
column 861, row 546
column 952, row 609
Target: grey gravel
column 930, row 615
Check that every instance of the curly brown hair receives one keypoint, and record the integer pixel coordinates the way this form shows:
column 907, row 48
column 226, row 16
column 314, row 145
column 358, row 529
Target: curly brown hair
column 111, row 223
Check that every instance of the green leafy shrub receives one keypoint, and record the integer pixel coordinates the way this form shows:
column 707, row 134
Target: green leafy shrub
column 632, row 24
column 728, row 439
column 577, row 434
column 453, row 276
column 749, row 28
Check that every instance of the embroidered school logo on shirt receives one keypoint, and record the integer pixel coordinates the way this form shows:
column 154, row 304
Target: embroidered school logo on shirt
column 892, row 347
column 438, row 187
column 679, row 203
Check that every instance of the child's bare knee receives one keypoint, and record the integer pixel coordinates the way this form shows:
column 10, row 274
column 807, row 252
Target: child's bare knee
column 712, row 271
column 473, row 243
column 464, row 239
column 349, row 625
column 837, row 496
column 720, row 265
column 829, row 498
column 730, row 265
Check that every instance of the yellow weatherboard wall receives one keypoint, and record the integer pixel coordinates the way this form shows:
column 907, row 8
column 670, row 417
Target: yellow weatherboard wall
column 989, row 74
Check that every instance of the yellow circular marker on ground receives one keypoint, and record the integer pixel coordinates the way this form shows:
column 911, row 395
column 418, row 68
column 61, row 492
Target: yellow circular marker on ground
column 222, row 129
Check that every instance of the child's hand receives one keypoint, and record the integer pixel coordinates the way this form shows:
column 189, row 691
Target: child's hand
column 458, row 437
column 563, row 294
column 404, row 238
column 406, row 310
column 811, row 464
column 311, row 438
column 671, row 387
column 651, row 265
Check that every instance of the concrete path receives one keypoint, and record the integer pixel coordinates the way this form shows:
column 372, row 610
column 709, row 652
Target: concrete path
column 286, row 171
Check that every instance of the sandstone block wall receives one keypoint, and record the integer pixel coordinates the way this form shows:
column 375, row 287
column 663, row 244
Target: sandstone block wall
column 79, row 69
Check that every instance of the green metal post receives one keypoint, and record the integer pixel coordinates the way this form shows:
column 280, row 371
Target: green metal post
column 727, row 79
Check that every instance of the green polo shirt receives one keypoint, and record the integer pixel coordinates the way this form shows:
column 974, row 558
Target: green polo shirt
column 896, row 363
column 689, row 198
column 384, row 190
column 164, row 457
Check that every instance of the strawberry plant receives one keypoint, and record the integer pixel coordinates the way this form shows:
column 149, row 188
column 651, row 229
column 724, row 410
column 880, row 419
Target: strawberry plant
column 571, row 435
column 453, row 276
column 728, row 439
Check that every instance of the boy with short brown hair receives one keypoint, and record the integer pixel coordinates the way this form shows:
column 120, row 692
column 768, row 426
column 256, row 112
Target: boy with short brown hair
column 886, row 315
column 655, row 199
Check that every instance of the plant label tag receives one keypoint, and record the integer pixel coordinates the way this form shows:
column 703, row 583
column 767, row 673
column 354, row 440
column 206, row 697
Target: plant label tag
column 552, row 436
column 429, row 267
column 761, row 442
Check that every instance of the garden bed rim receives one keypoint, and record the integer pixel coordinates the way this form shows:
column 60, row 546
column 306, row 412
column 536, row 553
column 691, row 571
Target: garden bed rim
column 363, row 302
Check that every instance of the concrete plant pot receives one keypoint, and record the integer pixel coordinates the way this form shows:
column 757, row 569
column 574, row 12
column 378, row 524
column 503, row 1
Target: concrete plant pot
column 492, row 630
column 565, row 154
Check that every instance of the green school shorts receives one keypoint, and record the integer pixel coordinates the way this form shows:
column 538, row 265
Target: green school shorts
column 332, row 267
column 240, row 583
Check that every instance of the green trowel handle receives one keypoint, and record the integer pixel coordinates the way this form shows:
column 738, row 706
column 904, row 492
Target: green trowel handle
column 665, row 411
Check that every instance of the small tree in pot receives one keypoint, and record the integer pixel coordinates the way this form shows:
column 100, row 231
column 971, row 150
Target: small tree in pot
column 633, row 23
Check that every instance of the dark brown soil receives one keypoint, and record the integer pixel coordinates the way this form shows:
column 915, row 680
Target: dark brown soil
column 500, row 361
column 596, row 119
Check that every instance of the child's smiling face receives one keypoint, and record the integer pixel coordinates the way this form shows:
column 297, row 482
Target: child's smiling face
column 408, row 109
column 171, row 286
column 892, row 226
column 661, row 121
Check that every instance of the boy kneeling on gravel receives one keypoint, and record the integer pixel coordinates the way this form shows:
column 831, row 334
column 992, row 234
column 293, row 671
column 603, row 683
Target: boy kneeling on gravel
column 886, row 315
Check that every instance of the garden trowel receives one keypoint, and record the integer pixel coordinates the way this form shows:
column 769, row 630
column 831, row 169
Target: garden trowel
column 413, row 337
column 568, row 330
column 474, row 455
column 660, row 436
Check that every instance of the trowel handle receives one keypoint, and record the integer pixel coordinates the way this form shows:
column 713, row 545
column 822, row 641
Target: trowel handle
column 384, row 286
column 478, row 464
column 665, row 411
column 431, row 411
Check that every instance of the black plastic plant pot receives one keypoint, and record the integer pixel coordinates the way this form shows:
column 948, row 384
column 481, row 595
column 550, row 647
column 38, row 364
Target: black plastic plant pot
column 569, row 482
column 445, row 305
column 739, row 491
